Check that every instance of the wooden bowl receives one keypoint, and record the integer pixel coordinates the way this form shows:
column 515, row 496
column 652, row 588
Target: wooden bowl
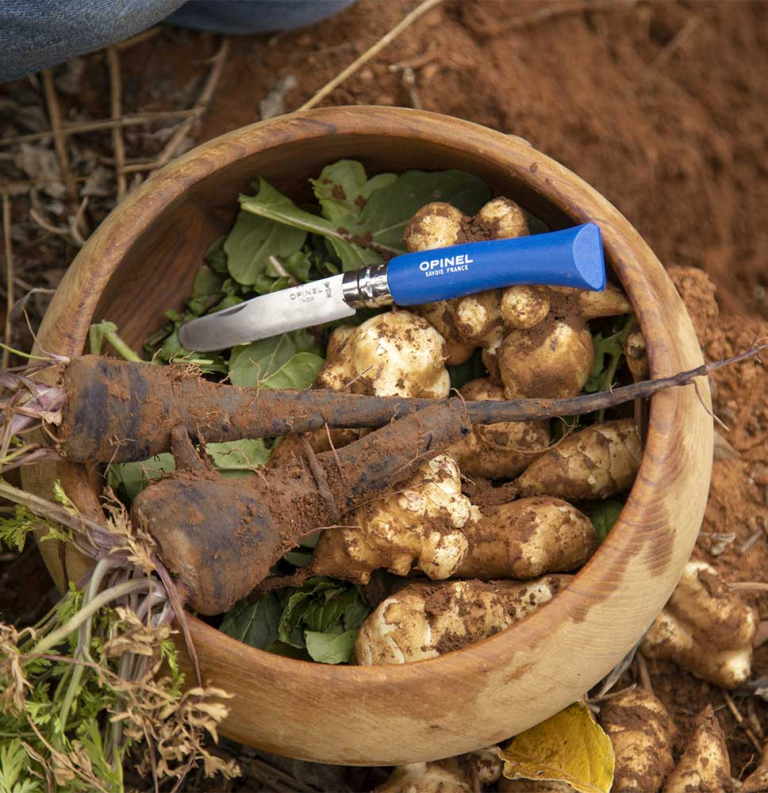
column 142, row 260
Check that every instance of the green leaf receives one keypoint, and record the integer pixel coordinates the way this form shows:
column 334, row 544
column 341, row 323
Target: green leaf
column 343, row 189
column 131, row 478
column 609, row 352
column 271, row 204
column 390, row 208
column 216, row 257
column 604, row 515
column 253, row 363
column 238, row 458
column 253, row 239
column 299, row 373
column 330, row 648
column 568, row 747
column 255, row 624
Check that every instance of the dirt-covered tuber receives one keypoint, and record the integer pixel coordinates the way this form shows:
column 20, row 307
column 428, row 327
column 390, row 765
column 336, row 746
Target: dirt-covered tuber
column 453, row 775
column 704, row 766
column 597, row 462
column 498, row 451
column 705, row 628
column 641, row 732
column 553, row 360
column 426, row 620
column 392, row 354
column 525, row 539
column 419, row 524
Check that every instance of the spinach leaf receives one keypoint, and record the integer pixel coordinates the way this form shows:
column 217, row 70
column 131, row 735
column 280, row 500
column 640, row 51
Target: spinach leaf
column 343, row 189
column 252, row 363
column 390, row 208
column 238, row 458
column 256, row 623
column 604, row 515
column 253, row 239
column 298, row 373
column 129, row 479
column 331, row 648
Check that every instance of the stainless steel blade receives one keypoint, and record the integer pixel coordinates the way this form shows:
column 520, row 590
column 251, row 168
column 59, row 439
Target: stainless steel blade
column 268, row 315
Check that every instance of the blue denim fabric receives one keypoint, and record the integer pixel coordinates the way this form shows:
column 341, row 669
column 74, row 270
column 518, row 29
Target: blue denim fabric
column 36, row 34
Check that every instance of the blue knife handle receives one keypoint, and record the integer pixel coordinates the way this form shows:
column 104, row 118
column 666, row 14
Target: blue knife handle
column 572, row 257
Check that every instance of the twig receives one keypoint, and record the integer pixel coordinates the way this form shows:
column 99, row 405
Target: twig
column 139, row 38
column 749, row 586
column 678, row 40
column 405, row 22
column 409, row 81
column 59, row 140
column 200, row 106
column 548, row 13
column 740, row 721
column 116, row 103
column 84, row 127
column 645, row 675
column 8, row 275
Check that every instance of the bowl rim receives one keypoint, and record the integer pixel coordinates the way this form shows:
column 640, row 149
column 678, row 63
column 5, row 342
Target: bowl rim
column 634, row 264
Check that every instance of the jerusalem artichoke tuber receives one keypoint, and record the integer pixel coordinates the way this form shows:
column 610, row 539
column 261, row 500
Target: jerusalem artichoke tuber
column 426, row 620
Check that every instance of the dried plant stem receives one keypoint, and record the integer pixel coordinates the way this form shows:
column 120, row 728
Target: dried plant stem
column 59, row 140
column 9, row 297
column 740, row 721
column 116, row 99
column 389, row 37
column 139, row 38
column 103, row 124
column 87, row 611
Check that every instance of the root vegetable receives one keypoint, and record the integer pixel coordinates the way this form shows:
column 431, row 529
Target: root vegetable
column 597, row 462
column 523, row 307
column 426, row 620
column 641, row 732
column 553, row 360
column 611, row 302
column 391, row 354
column 498, row 451
column 118, row 411
column 705, row 628
column 477, row 318
column 221, row 536
column 443, row 776
column 704, row 766
column 526, row 538
column 436, row 225
column 418, row 524
column 440, row 318
column 502, row 218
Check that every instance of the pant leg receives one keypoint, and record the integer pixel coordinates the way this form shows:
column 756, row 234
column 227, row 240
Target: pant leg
column 254, row 16
column 36, row 34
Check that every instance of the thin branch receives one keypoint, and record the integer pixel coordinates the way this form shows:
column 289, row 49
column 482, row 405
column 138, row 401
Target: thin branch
column 84, row 127
column 116, row 105
column 59, row 140
column 206, row 95
column 740, row 721
column 8, row 276
column 389, row 37
column 139, row 38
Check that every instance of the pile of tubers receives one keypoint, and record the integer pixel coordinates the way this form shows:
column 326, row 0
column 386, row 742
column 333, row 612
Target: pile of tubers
column 508, row 554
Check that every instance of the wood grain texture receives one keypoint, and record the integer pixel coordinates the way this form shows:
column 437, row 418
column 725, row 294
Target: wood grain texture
column 142, row 260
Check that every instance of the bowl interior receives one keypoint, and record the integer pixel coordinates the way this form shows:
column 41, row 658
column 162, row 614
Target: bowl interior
column 156, row 273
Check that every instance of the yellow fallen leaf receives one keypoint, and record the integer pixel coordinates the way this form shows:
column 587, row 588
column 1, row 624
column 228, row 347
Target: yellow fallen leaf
column 569, row 747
